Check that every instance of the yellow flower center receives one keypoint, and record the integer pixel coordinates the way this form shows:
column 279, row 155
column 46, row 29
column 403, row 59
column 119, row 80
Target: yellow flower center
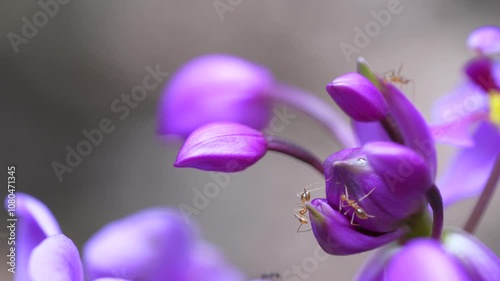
column 495, row 107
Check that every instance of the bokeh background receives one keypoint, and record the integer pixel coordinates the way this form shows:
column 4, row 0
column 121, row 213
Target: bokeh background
column 66, row 77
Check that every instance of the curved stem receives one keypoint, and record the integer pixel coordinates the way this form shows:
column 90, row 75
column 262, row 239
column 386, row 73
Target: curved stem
column 436, row 202
column 484, row 199
column 312, row 106
column 284, row 146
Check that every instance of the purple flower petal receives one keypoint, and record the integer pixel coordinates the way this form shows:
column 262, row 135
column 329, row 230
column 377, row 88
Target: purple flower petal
column 337, row 236
column 151, row 245
column 457, row 132
column 358, row 97
column 496, row 72
column 215, row 88
column 111, row 279
column 485, row 40
column 413, row 127
column 463, row 101
column 457, row 183
column 208, row 264
column 35, row 222
column 478, row 260
column 390, row 179
column 479, row 70
column 370, row 131
column 455, row 113
column 55, row 259
column 223, row 147
column 424, row 260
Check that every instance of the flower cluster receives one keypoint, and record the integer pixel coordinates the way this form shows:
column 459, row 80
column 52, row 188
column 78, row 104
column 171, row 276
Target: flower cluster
column 378, row 188
column 153, row 244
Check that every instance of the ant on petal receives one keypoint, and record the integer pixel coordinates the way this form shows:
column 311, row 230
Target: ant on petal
column 354, row 205
column 394, row 76
column 305, row 197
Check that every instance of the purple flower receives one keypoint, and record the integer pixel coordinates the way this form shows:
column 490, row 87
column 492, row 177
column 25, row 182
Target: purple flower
column 460, row 256
column 224, row 147
column 215, row 88
column 371, row 192
column 154, row 244
column 475, row 104
column 480, row 71
column 378, row 188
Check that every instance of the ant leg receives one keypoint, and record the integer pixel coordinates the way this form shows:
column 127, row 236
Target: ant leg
column 346, row 192
column 400, row 69
column 298, row 229
column 390, row 73
column 366, row 195
column 303, row 230
column 352, row 220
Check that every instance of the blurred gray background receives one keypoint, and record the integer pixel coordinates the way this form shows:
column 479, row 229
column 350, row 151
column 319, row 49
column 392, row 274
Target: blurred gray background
column 64, row 79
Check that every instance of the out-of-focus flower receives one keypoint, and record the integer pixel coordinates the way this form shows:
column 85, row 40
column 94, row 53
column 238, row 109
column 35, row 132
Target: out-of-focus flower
column 485, row 40
column 459, row 256
column 475, row 105
column 223, row 147
column 154, row 244
column 215, row 88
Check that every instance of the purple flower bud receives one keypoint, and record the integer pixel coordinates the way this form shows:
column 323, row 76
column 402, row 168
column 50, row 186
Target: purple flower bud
column 480, row 71
column 223, row 147
column 358, row 97
column 387, row 181
column 424, row 259
column 485, row 40
column 215, row 88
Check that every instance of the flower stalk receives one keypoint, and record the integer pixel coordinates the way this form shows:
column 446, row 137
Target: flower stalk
column 284, row 146
column 484, row 199
column 436, row 202
column 310, row 105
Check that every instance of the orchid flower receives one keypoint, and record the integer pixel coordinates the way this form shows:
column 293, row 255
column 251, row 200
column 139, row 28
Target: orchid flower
column 154, row 244
column 474, row 104
column 380, row 185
